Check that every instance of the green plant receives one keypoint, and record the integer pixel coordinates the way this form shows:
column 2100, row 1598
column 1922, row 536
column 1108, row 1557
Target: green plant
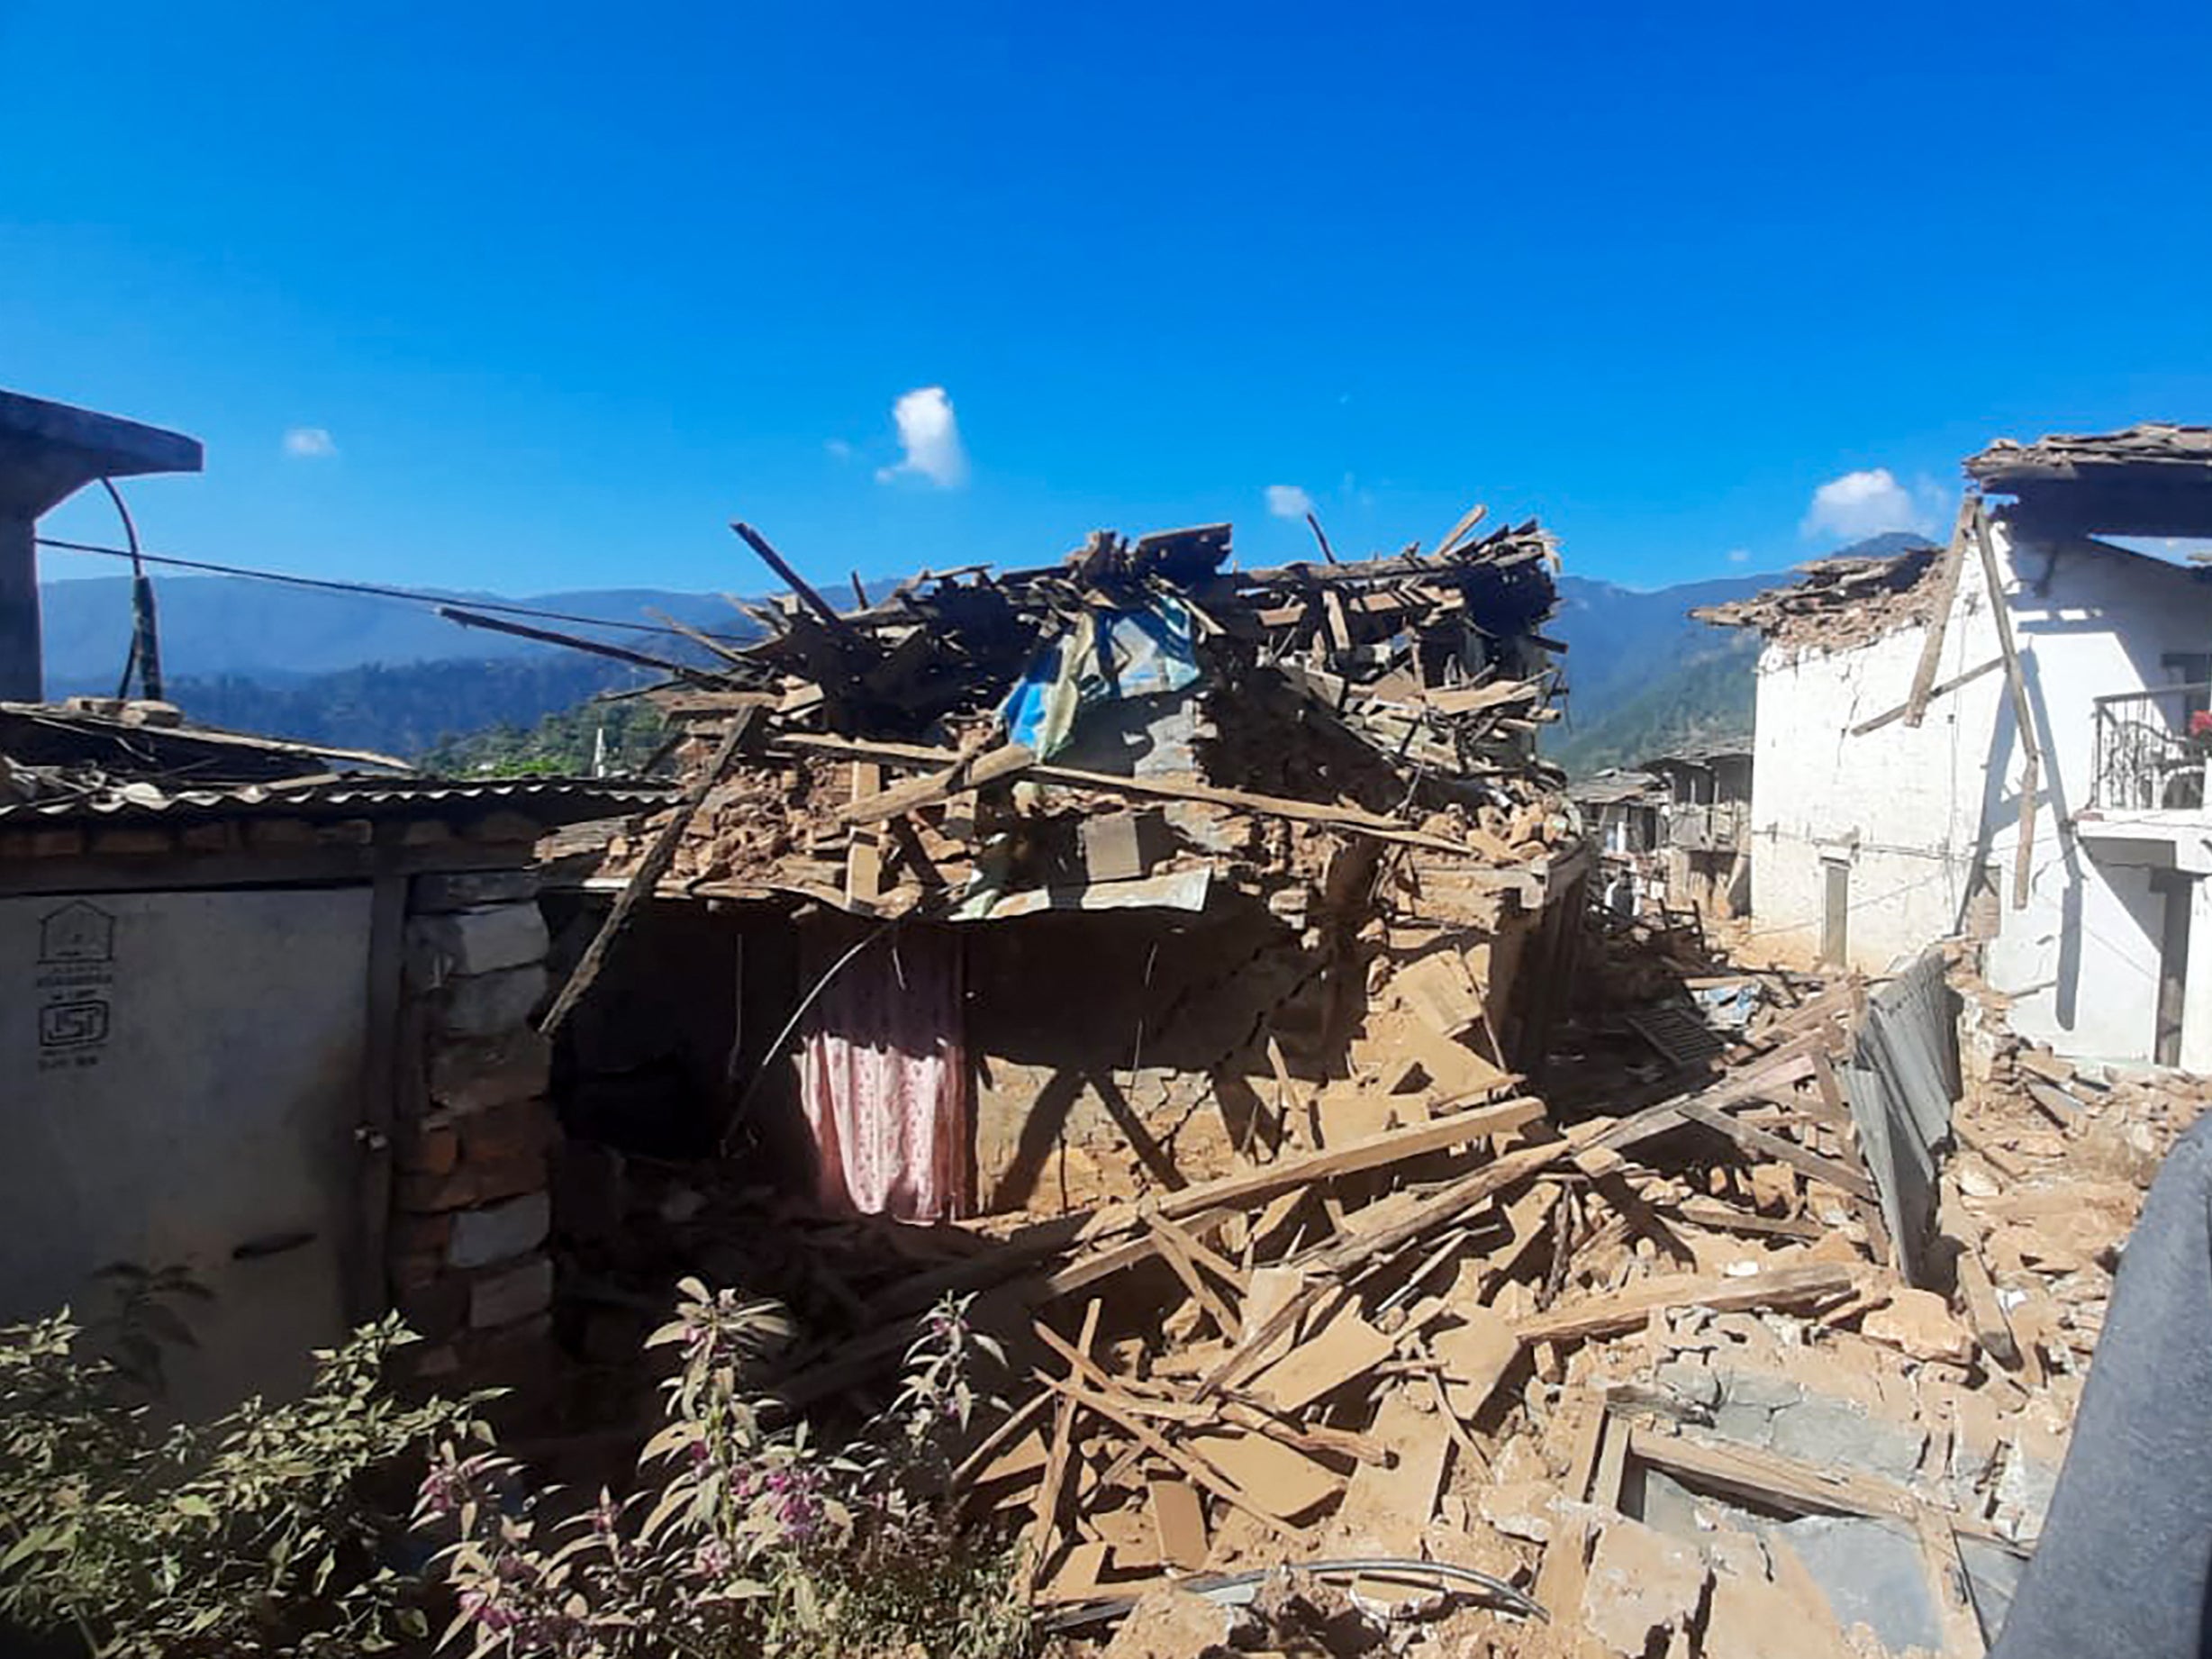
column 743, row 1538
column 257, row 1534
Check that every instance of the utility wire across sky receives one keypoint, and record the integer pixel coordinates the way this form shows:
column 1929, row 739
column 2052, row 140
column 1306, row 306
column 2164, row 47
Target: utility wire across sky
column 371, row 589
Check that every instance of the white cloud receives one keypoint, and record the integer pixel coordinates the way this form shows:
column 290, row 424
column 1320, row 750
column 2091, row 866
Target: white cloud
column 838, row 449
column 929, row 433
column 1287, row 500
column 1865, row 503
column 1739, row 555
column 310, row 443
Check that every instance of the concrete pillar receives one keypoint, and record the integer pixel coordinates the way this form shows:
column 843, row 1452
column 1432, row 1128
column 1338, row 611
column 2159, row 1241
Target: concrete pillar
column 20, row 657
column 2197, row 982
column 47, row 452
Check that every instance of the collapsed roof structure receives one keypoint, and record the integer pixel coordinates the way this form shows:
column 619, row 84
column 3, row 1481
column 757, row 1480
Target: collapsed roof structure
column 1394, row 700
column 1269, row 792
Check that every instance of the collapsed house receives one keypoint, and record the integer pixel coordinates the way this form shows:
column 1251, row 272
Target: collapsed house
column 1060, row 876
column 1195, row 936
column 2006, row 737
column 1197, row 933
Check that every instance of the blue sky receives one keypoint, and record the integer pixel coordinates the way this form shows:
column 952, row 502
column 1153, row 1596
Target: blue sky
column 565, row 289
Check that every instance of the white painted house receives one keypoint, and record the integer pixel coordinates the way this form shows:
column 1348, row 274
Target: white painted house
column 1878, row 827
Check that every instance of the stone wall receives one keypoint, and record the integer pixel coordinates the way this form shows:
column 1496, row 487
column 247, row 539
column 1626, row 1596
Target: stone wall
column 470, row 1204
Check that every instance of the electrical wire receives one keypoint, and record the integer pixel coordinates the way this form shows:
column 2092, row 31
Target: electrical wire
column 371, row 589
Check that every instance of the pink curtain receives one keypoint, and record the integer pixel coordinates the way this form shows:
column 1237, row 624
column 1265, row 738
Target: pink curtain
column 883, row 1082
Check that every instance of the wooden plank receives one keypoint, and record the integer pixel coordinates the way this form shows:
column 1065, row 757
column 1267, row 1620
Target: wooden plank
column 989, row 1447
column 1719, row 1217
column 1220, row 1485
column 1179, row 1262
column 1475, row 1356
column 1769, row 1478
column 1331, row 1262
column 1201, row 1253
column 1467, row 520
column 963, row 773
column 1612, row 1471
column 1773, row 1078
column 1832, row 1098
column 1605, row 1315
column 1103, row 1262
column 1354, row 820
column 864, row 863
column 2048, row 1067
column 1474, row 699
column 655, row 863
column 1890, row 717
column 1316, row 1437
column 2023, row 710
column 1076, row 1577
column 1344, row 1347
column 391, row 1085
column 1585, row 1446
column 1179, row 1521
column 1840, row 1176
column 1391, row 1147
column 1045, row 1512
column 1945, row 596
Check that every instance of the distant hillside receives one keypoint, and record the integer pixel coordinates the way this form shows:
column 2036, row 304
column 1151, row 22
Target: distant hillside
column 374, row 674
column 361, row 672
column 406, row 710
column 228, row 625
column 1642, row 674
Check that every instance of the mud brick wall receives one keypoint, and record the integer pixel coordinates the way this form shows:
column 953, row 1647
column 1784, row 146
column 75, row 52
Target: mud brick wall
column 471, row 1207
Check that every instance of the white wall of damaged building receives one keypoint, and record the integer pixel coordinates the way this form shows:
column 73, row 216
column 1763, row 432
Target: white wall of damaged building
column 1914, row 833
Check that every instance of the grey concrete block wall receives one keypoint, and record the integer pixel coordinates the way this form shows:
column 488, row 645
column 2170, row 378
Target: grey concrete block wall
column 481, row 939
column 472, row 1203
column 499, row 1232
column 491, row 1004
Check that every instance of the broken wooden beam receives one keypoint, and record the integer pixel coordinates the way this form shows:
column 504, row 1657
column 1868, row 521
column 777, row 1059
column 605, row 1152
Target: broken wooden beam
column 646, row 877
column 1607, row 1315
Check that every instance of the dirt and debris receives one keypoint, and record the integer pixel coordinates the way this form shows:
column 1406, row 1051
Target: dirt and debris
column 981, row 741
column 1202, row 864
column 1657, row 1371
column 1840, row 603
column 1667, row 1306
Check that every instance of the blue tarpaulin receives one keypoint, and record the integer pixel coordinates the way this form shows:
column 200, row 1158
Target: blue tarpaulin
column 1107, row 657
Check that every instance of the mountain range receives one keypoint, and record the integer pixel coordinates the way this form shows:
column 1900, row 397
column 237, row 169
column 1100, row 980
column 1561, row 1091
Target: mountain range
column 374, row 673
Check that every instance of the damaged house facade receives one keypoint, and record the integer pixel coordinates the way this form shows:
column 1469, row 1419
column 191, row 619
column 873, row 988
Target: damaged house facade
column 268, row 1021
column 1032, row 889
column 1673, row 832
column 2005, row 739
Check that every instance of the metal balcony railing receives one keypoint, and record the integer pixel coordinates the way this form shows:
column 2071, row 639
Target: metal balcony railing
column 2148, row 759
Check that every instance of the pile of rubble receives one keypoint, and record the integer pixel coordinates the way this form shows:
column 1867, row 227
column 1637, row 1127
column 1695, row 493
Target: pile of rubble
column 978, row 738
column 1760, row 1335
column 1840, row 603
column 1664, row 1380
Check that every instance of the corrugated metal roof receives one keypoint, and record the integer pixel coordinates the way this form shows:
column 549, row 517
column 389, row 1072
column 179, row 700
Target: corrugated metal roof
column 1612, row 787
column 551, row 800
